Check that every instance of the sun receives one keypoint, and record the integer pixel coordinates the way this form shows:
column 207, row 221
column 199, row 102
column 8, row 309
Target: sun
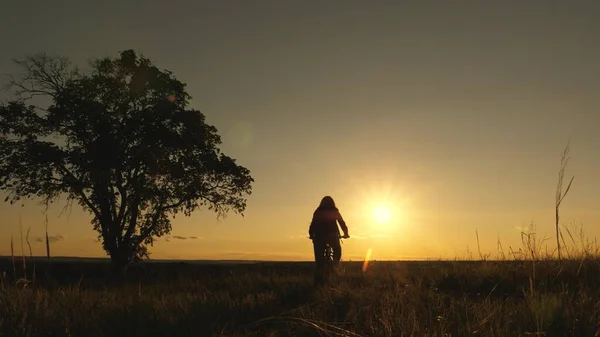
column 382, row 214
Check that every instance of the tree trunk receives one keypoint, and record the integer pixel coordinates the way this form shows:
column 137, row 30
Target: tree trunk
column 119, row 260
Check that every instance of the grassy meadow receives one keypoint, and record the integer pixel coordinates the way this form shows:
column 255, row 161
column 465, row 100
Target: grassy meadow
column 534, row 297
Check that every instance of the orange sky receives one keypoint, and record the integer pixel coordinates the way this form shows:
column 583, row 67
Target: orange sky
column 453, row 115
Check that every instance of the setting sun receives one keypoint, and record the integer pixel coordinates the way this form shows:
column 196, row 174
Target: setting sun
column 382, row 214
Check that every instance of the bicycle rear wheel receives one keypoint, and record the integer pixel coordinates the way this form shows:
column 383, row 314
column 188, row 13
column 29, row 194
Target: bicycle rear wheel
column 328, row 259
column 324, row 271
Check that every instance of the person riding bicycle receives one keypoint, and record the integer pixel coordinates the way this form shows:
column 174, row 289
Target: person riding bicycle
column 324, row 230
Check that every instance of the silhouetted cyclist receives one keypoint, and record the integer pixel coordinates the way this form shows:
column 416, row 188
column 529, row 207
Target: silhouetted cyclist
column 324, row 230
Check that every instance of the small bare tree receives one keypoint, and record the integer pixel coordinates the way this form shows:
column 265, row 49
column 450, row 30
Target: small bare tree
column 559, row 193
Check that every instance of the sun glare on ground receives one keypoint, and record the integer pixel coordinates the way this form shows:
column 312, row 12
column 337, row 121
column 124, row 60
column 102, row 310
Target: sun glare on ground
column 382, row 214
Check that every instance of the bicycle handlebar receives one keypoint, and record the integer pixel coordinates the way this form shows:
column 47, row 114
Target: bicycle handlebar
column 339, row 236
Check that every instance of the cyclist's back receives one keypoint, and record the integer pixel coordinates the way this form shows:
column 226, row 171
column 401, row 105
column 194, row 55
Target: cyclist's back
column 324, row 224
column 325, row 220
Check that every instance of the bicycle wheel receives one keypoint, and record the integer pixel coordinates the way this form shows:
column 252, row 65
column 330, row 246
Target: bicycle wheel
column 328, row 261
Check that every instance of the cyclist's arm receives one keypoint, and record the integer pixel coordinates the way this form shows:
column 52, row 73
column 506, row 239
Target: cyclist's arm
column 311, row 228
column 342, row 223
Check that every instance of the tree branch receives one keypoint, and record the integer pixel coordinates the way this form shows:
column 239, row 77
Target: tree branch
column 133, row 218
column 158, row 211
column 45, row 75
column 123, row 204
column 78, row 187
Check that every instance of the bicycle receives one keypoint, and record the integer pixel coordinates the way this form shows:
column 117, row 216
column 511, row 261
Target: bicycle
column 328, row 265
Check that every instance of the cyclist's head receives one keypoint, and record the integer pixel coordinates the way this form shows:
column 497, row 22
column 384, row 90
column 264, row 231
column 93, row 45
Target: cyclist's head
column 327, row 202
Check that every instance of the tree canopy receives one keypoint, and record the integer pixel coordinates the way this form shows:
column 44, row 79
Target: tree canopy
column 120, row 140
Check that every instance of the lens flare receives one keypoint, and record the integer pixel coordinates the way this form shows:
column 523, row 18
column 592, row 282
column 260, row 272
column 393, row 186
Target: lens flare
column 367, row 259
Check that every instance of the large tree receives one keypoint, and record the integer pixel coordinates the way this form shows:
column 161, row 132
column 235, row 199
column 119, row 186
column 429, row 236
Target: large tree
column 120, row 140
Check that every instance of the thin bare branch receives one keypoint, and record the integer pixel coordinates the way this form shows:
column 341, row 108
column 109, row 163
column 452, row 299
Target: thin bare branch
column 28, row 243
column 43, row 75
column 560, row 195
